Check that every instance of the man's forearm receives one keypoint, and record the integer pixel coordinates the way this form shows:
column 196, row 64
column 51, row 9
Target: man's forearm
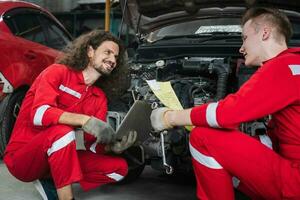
column 73, row 119
column 179, row 117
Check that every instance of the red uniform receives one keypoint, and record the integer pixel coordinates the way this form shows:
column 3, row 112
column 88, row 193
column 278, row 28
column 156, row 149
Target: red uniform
column 221, row 152
column 40, row 147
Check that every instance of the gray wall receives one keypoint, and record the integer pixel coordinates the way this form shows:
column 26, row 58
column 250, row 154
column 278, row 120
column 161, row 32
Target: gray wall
column 56, row 5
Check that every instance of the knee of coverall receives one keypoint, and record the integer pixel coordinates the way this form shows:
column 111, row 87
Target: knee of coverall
column 30, row 160
column 58, row 135
column 200, row 134
column 121, row 169
column 116, row 165
column 57, row 131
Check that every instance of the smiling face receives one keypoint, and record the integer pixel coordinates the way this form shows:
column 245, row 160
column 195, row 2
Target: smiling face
column 104, row 58
column 252, row 44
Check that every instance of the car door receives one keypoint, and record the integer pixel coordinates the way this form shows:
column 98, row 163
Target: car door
column 28, row 25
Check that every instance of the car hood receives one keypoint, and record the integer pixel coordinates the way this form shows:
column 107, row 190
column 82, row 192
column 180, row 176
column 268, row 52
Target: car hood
column 145, row 16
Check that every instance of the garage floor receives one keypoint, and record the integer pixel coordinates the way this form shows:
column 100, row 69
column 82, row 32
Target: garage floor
column 151, row 185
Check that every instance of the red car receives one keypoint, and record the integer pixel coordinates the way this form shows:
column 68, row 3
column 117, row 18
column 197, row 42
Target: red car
column 30, row 40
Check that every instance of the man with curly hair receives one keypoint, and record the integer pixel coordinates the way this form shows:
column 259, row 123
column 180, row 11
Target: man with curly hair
column 60, row 133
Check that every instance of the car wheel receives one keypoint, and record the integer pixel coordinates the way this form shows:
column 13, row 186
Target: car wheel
column 135, row 160
column 9, row 115
column 133, row 174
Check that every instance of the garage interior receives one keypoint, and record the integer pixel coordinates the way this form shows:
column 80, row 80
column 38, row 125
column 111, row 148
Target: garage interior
column 80, row 16
column 149, row 57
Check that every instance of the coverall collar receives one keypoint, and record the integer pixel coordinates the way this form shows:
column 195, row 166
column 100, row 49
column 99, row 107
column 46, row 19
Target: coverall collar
column 91, row 88
column 288, row 50
column 79, row 75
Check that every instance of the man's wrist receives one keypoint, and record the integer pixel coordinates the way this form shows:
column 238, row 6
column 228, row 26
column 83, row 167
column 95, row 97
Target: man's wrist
column 84, row 119
column 168, row 119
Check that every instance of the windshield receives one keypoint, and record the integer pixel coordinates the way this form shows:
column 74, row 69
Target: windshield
column 197, row 27
column 203, row 27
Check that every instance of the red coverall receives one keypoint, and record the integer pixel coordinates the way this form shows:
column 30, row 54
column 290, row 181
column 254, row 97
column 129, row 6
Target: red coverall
column 221, row 153
column 40, row 147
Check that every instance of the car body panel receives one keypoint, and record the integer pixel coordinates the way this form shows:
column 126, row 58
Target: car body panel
column 22, row 59
column 145, row 16
column 24, row 64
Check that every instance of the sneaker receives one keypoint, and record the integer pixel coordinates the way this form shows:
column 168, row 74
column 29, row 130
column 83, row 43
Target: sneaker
column 46, row 189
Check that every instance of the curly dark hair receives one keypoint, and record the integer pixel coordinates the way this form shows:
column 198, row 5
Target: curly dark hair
column 75, row 57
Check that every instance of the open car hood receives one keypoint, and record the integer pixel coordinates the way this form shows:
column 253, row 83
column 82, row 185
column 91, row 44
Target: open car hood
column 145, row 16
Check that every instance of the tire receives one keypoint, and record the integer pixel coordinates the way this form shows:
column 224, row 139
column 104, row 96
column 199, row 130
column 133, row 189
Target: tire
column 9, row 115
column 133, row 174
column 135, row 164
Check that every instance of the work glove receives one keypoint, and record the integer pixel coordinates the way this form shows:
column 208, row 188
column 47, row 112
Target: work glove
column 79, row 139
column 101, row 130
column 158, row 120
column 126, row 142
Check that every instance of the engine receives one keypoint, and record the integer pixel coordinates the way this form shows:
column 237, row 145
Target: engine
column 195, row 81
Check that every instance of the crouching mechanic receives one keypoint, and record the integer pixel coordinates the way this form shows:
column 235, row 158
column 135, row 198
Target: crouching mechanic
column 221, row 153
column 61, row 105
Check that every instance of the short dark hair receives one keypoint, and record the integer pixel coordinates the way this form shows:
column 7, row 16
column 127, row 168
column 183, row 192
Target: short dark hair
column 273, row 16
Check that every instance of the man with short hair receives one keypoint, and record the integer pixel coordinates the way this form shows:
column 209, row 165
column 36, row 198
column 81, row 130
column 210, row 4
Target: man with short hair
column 222, row 154
column 61, row 105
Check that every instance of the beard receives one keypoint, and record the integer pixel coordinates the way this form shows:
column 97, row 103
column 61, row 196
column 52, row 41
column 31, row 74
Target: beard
column 101, row 70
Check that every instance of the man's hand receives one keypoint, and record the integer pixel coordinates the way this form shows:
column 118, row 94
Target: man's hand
column 126, row 142
column 101, row 130
column 158, row 120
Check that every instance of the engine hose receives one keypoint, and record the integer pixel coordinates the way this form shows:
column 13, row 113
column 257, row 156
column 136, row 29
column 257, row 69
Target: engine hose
column 218, row 68
column 222, row 74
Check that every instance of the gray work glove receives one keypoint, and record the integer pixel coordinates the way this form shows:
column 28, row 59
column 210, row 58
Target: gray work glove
column 126, row 142
column 79, row 139
column 158, row 120
column 101, row 130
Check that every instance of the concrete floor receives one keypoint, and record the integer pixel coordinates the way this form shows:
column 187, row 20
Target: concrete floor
column 151, row 185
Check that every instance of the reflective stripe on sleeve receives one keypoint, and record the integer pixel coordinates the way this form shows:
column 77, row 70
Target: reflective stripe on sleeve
column 61, row 142
column 115, row 176
column 37, row 119
column 211, row 115
column 264, row 139
column 70, row 91
column 207, row 161
column 295, row 69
